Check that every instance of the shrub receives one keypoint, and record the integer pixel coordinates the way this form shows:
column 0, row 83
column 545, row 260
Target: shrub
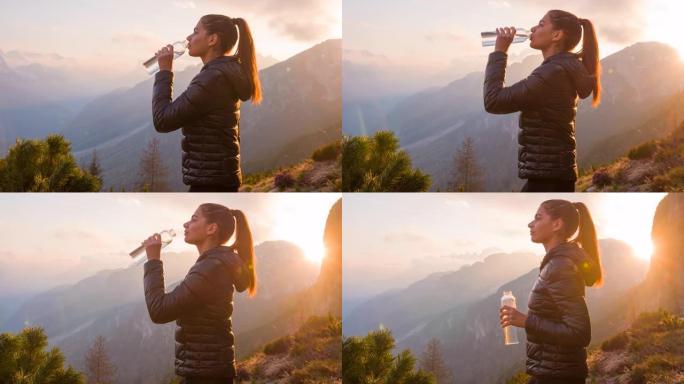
column 616, row 342
column 601, row 178
column 644, row 151
column 279, row 346
column 284, row 180
column 329, row 152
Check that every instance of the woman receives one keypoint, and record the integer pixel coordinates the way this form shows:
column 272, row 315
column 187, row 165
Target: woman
column 547, row 98
column 209, row 110
column 203, row 302
column 557, row 323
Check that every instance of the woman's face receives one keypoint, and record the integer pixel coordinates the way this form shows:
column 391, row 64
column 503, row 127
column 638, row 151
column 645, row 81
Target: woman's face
column 544, row 35
column 197, row 229
column 544, row 228
column 200, row 41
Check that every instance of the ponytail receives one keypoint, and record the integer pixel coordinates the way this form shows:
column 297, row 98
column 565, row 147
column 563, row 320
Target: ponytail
column 227, row 30
column 577, row 219
column 575, row 29
column 244, row 247
column 229, row 222
column 590, row 57
column 586, row 238
column 247, row 55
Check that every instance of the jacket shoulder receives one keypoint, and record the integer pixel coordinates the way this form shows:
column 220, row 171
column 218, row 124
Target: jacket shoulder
column 559, row 267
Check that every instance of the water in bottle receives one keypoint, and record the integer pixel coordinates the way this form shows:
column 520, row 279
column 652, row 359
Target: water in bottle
column 166, row 239
column 510, row 333
column 489, row 38
column 152, row 64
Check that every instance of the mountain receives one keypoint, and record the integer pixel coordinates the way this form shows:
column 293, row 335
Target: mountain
column 323, row 298
column 664, row 285
column 407, row 311
column 111, row 304
column 300, row 112
column 432, row 124
column 653, row 166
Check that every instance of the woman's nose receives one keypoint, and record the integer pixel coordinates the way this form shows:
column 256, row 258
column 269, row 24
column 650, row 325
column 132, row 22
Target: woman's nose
column 185, row 225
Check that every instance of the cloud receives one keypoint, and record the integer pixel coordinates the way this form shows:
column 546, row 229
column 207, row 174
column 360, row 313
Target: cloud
column 302, row 20
column 405, row 237
column 449, row 37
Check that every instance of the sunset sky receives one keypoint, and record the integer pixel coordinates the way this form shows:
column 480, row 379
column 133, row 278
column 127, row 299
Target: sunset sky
column 399, row 239
column 46, row 237
column 445, row 36
column 118, row 35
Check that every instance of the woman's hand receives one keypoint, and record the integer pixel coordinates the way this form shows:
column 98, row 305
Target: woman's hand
column 165, row 58
column 511, row 316
column 153, row 247
column 504, row 39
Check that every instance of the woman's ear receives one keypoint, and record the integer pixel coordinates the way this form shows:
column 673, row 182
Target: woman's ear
column 212, row 229
column 557, row 36
column 557, row 225
column 213, row 40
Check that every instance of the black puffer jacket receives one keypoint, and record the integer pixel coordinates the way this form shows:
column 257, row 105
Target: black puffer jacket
column 557, row 326
column 201, row 305
column 209, row 113
column 548, row 101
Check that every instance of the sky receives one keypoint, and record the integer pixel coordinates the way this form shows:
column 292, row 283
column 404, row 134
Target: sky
column 49, row 236
column 116, row 36
column 444, row 35
column 401, row 238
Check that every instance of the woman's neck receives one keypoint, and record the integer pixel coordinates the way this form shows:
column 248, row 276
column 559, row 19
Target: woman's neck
column 209, row 56
column 551, row 244
column 550, row 51
column 205, row 246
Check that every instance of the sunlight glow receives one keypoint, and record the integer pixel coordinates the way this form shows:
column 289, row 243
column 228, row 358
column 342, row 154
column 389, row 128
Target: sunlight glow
column 664, row 23
column 628, row 219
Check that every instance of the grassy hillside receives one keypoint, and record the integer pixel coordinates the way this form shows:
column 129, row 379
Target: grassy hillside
column 311, row 355
column 651, row 351
column 321, row 172
column 654, row 166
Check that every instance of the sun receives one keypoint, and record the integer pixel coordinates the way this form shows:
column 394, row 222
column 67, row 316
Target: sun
column 303, row 225
column 663, row 19
column 629, row 217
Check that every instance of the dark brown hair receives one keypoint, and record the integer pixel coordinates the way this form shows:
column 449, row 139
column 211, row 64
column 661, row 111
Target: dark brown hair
column 227, row 30
column 231, row 221
column 576, row 218
column 573, row 28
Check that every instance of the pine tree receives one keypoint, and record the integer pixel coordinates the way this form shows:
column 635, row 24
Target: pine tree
column 152, row 173
column 369, row 359
column 94, row 167
column 467, row 175
column 44, row 166
column 99, row 369
column 376, row 164
column 23, row 359
column 432, row 361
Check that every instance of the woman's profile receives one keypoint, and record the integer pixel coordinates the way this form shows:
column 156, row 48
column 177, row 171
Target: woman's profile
column 202, row 303
column 557, row 323
column 547, row 98
column 209, row 110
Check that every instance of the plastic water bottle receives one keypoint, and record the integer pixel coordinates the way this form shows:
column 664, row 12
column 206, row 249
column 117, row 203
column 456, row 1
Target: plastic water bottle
column 152, row 64
column 510, row 333
column 166, row 239
column 489, row 38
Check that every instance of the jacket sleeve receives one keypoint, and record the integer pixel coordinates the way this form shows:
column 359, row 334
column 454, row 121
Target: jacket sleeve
column 165, row 307
column 168, row 116
column 566, row 288
column 521, row 95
